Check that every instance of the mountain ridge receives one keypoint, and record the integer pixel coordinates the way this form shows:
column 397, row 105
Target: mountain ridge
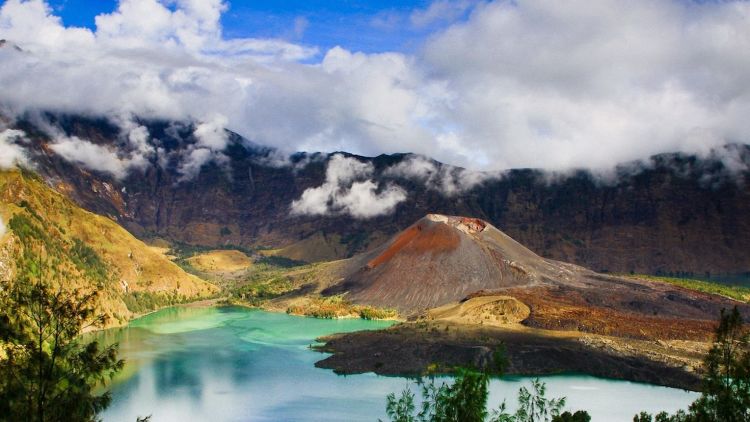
column 680, row 215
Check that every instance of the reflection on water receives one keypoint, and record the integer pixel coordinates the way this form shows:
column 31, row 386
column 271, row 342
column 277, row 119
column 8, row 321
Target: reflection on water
column 235, row 364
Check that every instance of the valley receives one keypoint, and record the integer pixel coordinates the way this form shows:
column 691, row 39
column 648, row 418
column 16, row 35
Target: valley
column 542, row 314
column 668, row 214
column 460, row 290
column 432, row 210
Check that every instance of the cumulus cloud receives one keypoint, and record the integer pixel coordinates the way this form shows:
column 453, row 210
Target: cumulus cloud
column 347, row 190
column 569, row 84
column 526, row 83
column 11, row 148
column 132, row 149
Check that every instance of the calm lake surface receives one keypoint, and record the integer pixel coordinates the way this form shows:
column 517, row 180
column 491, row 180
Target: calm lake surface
column 236, row 364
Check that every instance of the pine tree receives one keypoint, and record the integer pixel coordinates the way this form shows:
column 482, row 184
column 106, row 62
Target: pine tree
column 47, row 371
column 726, row 383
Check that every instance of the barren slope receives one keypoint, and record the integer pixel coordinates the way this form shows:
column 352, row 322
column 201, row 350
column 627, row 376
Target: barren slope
column 441, row 260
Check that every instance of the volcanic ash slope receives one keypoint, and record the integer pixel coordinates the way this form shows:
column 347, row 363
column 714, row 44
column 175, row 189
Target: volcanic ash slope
column 445, row 259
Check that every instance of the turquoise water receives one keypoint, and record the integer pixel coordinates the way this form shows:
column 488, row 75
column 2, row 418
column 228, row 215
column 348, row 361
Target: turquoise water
column 236, row 364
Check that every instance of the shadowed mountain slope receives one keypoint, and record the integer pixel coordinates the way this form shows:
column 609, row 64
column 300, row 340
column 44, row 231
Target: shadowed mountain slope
column 672, row 214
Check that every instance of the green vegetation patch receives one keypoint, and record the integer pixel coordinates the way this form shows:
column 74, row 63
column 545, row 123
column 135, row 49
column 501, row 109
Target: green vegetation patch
column 262, row 283
column 29, row 232
column 337, row 307
column 142, row 302
column 734, row 292
column 88, row 261
column 369, row 312
column 33, row 236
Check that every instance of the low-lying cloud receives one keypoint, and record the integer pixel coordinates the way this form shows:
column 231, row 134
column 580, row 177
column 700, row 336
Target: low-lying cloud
column 348, row 190
column 528, row 83
column 444, row 178
column 12, row 152
column 133, row 148
column 211, row 140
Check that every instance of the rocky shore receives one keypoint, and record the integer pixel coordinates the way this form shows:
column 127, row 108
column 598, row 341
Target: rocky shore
column 420, row 348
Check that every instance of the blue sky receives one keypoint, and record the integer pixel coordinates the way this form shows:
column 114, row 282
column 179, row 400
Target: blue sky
column 358, row 25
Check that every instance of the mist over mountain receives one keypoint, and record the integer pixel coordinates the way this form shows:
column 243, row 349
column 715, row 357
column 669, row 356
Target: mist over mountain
column 497, row 85
column 672, row 213
column 162, row 118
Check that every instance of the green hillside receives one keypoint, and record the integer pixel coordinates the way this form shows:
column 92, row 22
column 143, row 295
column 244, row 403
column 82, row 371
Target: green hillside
column 131, row 277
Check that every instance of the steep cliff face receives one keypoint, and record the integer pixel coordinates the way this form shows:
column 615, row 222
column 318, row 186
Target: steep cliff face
column 676, row 214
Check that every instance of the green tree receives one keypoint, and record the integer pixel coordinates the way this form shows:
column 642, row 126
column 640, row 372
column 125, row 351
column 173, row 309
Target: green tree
column 579, row 416
column 401, row 409
column 726, row 383
column 679, row 416
column 47, row 372
column 466, row 401
column 533, row 406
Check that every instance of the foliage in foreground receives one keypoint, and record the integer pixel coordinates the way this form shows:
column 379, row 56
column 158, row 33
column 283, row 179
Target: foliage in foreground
column 47, row 373
column 726, row 384
column 466, row 400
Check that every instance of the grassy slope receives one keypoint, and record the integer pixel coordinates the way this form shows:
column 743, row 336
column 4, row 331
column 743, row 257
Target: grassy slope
column 276, row 283
column 734, row 292
column 220, row 261
column 133, row 277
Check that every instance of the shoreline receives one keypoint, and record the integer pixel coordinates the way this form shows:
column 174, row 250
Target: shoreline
column 412, row 350
column 418, row 349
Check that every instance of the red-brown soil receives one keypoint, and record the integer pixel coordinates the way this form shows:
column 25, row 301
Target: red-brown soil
column 419, row 239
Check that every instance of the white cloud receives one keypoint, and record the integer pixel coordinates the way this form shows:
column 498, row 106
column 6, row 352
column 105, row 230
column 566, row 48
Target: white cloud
column 346, row 190
column 440, row 11
column 447, row 179
column 211, row 139
column 527, row 83
column 90, row 155
column 11, row 150
column 564, row 84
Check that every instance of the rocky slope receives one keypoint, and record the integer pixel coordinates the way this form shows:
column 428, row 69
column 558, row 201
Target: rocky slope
column 93, row 251
column 443, row 259
column 471, row 291
column 673, row 214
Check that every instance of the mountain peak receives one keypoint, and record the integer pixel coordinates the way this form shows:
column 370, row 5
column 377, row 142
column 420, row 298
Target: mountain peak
column 467, row 225
column 443, row 260
column 439, row 259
